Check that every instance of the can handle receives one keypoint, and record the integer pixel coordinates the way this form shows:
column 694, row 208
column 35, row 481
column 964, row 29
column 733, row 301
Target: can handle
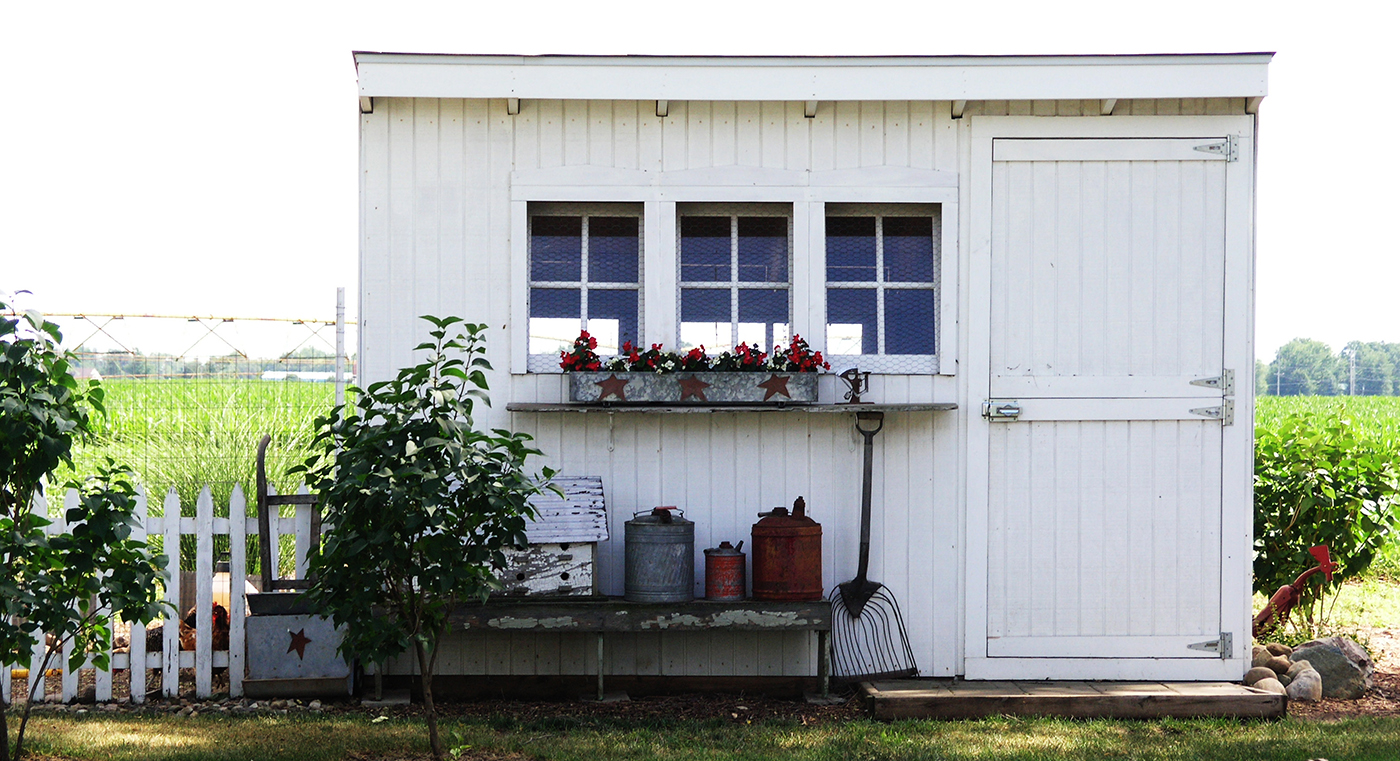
column 653, row 511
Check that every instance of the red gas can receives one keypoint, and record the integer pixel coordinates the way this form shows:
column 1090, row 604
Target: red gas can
column 787, row 555
column 724, row 572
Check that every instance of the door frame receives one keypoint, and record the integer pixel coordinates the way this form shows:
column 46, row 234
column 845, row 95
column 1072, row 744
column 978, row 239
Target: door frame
column 1237, row 445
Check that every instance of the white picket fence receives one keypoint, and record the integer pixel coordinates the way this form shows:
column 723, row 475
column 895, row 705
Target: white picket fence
column 204, row 526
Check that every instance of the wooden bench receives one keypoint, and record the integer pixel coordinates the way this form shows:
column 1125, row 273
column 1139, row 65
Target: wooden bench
column 601, row 616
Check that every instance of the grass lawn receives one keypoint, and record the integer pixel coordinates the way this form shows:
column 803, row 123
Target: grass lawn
column 333, row 737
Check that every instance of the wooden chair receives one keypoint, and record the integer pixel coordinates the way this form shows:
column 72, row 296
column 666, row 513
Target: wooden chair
column 266, row 502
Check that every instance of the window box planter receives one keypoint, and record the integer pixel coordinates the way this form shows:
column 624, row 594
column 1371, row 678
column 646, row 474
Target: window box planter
column 697, row 388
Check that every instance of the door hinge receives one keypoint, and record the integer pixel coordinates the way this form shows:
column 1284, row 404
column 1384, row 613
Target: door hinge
column 1225, row 413
column 1224, row 646
column 1225, row 382
column 1004, row 411
column 1229, row 148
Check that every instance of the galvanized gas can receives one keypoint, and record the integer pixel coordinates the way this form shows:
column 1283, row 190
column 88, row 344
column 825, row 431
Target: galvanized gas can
column 660, row 562
column 724, row 573
column 787, row 555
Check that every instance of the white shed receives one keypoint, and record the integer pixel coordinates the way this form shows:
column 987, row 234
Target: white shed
column 1091, row 228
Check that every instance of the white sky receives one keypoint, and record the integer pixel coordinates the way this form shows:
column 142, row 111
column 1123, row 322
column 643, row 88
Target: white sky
column 193, row 158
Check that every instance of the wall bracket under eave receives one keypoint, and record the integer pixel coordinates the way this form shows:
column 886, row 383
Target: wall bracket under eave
column 366, row 104
column 512, row 106
column 958, row 107
column 663, row 108
column 1106, row 106
column 810, row 109
column 1251, row 106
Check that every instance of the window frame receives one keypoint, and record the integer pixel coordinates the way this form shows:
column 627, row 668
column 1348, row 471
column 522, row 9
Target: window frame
column 733, row 211
column 549, row 362
column 808, row 191
column 882, row 362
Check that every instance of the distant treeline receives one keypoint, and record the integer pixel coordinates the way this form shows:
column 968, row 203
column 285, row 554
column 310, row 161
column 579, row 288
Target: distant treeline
column 1304, row 367
column 136, row 364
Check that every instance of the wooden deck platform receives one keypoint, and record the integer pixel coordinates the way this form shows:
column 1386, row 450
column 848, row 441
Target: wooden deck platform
column 947, row 699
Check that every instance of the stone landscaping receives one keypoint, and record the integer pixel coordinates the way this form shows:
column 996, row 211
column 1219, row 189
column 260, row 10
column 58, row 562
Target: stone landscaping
column 1335, row 667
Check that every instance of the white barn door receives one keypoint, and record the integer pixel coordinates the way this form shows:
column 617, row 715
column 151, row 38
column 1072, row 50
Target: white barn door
column 1108, row 398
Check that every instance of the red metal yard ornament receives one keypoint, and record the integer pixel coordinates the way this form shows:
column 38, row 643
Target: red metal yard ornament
column 1277, row 608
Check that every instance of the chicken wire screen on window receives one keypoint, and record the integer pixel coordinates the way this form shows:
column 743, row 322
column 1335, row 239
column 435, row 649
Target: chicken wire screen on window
column 585, row 274
column 735, row 268
column 882, row 286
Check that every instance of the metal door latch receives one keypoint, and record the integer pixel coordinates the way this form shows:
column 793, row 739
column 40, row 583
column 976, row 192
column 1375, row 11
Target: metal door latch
column 1225, row 413
column 1224, row 646
column 998, row 410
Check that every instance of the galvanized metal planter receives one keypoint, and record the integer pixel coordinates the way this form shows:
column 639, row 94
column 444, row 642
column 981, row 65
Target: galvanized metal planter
column 693, row 388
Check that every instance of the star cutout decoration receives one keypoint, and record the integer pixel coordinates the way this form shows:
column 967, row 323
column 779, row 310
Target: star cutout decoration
column 299, row 643
column 695, row 387
column 612, row 386
column 776, row 384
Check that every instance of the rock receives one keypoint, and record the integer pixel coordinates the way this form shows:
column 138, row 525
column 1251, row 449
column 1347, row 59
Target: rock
column 1306, row 686
column 1278, row 648
column 1261, row 656
column 1285, row 679
column 315, row 705
column 88, row 694
column 186, row 711
column 1298, row 666
column 1279, row 664
column 1270, row 685
column 1343, row 665
column 1257, row 673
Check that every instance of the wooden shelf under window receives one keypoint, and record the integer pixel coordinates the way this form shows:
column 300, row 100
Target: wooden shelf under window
column 698, row 408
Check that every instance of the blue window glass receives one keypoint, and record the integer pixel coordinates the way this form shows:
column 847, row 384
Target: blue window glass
column 763, row 316
column 705, row 305
column 908, row 249
column 609, row 307
column 613, row 249
column 909, row 321
column 850, row 249
column 763, row 249
column 555, row 302
column 705, row 250
column 556, row 248
column 852, row 321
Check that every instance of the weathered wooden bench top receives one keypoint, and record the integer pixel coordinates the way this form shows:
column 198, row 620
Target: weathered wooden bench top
column 613, row 614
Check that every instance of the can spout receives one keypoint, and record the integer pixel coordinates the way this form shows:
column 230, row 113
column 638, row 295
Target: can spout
column 799, row 507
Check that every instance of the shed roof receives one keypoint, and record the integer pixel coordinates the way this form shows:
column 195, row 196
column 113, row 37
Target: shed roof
column 1043, row 77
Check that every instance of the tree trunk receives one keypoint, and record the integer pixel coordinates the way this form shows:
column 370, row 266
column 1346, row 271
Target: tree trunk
column 425, row 668
column 4, row 732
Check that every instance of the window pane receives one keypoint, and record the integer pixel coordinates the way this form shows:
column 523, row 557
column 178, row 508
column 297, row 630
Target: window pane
column 705, row 318
column 705, row 251
column 909, row 321
column 909, row 250
column 555, row 319
column 763, row 251
column 612, row 318
column 851, row 321
column 612, row 249
column 763, row 317
column 556, row 248
column 850, row 249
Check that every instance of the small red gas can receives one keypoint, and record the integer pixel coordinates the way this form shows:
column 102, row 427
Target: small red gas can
column 724, row 572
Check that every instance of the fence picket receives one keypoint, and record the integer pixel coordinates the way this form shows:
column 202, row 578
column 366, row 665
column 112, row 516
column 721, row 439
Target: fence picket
column 204, row 595
column 303, row 534
column 274, row 525
column 70, row 676
column 136, row 650
column 170, row 653
column 237, row 573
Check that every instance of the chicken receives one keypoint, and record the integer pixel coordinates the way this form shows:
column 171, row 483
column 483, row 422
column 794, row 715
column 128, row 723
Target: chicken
column 220, row 624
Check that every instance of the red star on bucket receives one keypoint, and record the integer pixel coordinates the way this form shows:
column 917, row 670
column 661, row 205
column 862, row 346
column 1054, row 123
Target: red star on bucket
column 695, row 387
column 299, row 643
column 612, row 386
column 776, row 384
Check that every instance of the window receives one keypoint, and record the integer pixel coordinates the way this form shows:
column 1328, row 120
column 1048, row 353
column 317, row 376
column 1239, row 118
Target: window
column 585, row 274
column 735, row 275
column 882, row 285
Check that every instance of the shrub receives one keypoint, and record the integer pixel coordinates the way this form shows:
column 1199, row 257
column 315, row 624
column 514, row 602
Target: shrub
column 1318, row 481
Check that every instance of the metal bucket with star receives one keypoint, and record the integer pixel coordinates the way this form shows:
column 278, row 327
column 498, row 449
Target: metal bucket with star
column 693, row 388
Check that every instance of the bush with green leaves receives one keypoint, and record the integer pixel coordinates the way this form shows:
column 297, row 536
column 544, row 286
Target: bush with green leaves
column 420, row 505
column 70, row 585
column 1317, row 480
